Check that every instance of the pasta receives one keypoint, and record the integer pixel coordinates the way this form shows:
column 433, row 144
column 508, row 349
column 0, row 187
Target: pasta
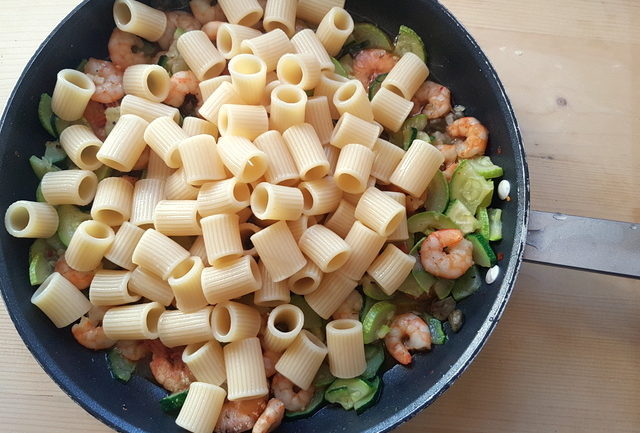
column 248, row 77
column 314, row 10
column 200, row 160
column 193, row 126
column 201, row 408
column 341, row 219
column 125, row 143
column 134, row 17
column 147, row 110
column 60, row 300
column 299, row 226
column 351, row 98
column 224, row 196
column 307, row 42
column 271, row 294
column 176, row 328
column 185, row 282
column 279, row 251
column 147, row 81
column 324, row 248
column 306, row 280
column 133, row 322
column 353, row 168
column 224, row 94
column 280, row 14
column 229, row 39
column 69, row 187
column 333, row 154
column 302, row 360
column 301, row 70
column 318, row 115
column 207, row 87
column 242, row 158
column 351, row 129
column 246, row 377
column 379, row 212
column 163, row 136
column 156, row 168
column 365, row 245
column 149, row 286
column 320, row 196
column 269, row 47
column 391, row 268
column 334, row 29
column 283, row 326
column 88, row 245
column 243, row 12
column 387, row 158
column 406, row 76
column 147, row 193
column 198, row 248
column 281, row 169
column 222, row 241
column 111, row 288
column 276, row 202
column 332, row 292
column 158, row 254
column 328, row 85
column 288, row 104
column 233, row 280
column 390, row 110
column 113, row 201
column 417, row 167
column 29, row 219
column 233, row 321
column 247, row 121
column 177, row 218
column 206, row 362
column 81, row 145
column 200, row 54
column 176, row 187
column 305, row 148
column 71, row 94
column 345, row 347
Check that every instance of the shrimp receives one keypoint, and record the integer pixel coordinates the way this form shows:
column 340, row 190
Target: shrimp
column 294, row 398
column 476, row 136
column 448, row 172
column 450, row 157
column 240, row 415
column 95, row 115
column 81, row 280
column 415, row 203
column 182, row 84
column 446, row 254
column 167, row 367
column 408, row 332
column 90, row 335
column 126, row 49
column 432, row 99
column 204, row 11
column 270, row 359
column 270, row 418
column 133, row 350
column 175, row 20
column 108, row 80
column 368, row 64
column 211, row 29
column 349, row 309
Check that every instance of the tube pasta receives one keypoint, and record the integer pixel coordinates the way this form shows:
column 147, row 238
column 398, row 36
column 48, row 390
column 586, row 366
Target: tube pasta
column 406, row 76
column 353, row 168
column 163, row 136
column 230, row 36
column 417, row 167
column 325, row 248
column 328, row 85
column 200, row 160
column 176, row 187
column 88, row 245
column 306, row 42
column 246, row 231
column 82, row 146
column 246, row 377
column 314, row 10
column 198, row 249
column 280, row 14
column 305, row 148
column 71, row 94
column 301, row 70
column 177, row 218
column 233, row 321
column 242, row 158
column 271, row 293
column 206, row 362
column 269, row 47
column 365, row 245
column 287, row 107
column 379, row 212
column 300, row 225
column 133, row 322
column 278, row 251
column 401, row 233
column 30, row 219
column 306, row 280
column 302, row 360
column 185, row 281
column 201, row 408
column 333, row 154
column 124, row 243
column 387, row 158
column 149, row 286
column 158, row 254
column 147, row 110
column 147, row 193
column 224, row 196
column 318, row 115
column 113, row 201
column 390, row 110
column 222, row 241
column 247, row 121
column 150, row 82
column 352, row 98
column 283, row 326
column 134, row 17
column 69, row 187
column 345, row 345
column 352, row 129
column 124, row 145
column 176, row 328
column 193, row 126
column 248, row 77
column 320, row 196
column 276, row 202
column 391, row 268
column 156, row 168
column 207, row 87
column 243, row 12
column 233, row 280
column 111, row 288
column 200, row 54
column 223, row 95
column 281, row 169
column 342, row 219
column 334, row 29
column 60, row 300
column 332, row 292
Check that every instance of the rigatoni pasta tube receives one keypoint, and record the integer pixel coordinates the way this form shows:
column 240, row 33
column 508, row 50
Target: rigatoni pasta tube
column 243, row 12
column 302, row 360
column 334, row 29
column 177, row 218
column 365, row 245
column 248, row 77
column 387, row 158
column 391, row 268
column 69, row 187
column 353, row 168
column 327, row 86
column 246, row 377
column 332, row 292
column 157, row 253
column 201, row 408
column 113, row 201
column 287, row 107
column 148, row 110
column 163, row 136
column 176, row 187
column 341, row 220
column 207, row 87
column 305, row 148
column 200, row 159
column 281, row 169
column 71, row 94
column 306, row 280
column 318, row 115
column 186, row 283
column 147, row 193
column 195, row 126
column 176, row 328
column 417, row 167
column 306, row 42
column 149, row 286
column 352, row 129
column 233, row 280
column 314, row 10
column 283, row 326
column 276, row 202
column 242, row 120
column 60, row 300
column 133, row 322
column 124, row 243
column 352, row 98
column 156, row 167
column 345, row 345
column 324, row 248
column 233, row 321
column 110, row 287
column 134, row 17
column 300, row 225
column 278, row 251
column 301, row 70
column 88, row 245
column 206, row 362
column 401, row 233
column 320, row 196
column 269, row 47
column 230, row 36
column 333, row 153
column 390, row 110
column 222, row 241
column 198, row 249
column 271, row 294
column 379, row 212
column 406, row 76
column 30, row 219
column 224, row 196
column 242, row 158
column 125, row 143
column 223, row 95
column 147, row 81
column 280, row 14
column 81, row 145
column 200, row 54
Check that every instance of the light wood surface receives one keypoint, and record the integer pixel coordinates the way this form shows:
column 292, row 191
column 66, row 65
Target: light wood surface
column 564, row 357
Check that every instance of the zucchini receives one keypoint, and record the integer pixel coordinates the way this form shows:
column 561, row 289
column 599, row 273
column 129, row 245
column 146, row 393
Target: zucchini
column 372, row 398
column 373, row 290
column 370, row 33
column 164, row 62
column 461, row 216
column 53, row 152
column 42, row 166
column 368, row 303
column 483, row 255
column 317, row 401
column 103, row 172
column 423, row 136
column 469, row 187
column 437, row 193
column 81, row 65
column 119, row 366
column 376, row 323
column 411, row 287
column 411, row 127
column 340, row 70
column 39, row 269
column 60, row 125
column 45, row 114
column 442, row 287
column 374, row 354
column 424, row 279
column 438, row 336
column 495, row 224
column 39, row 195
column 408, row 41
column 467, row 284
column 70, row 218
column 375, row 85
column 485, row 168
column 482, row 216
column 311, row 318
column 346, row 392
column 172, row 403
column 323, row 376
column 429, row 220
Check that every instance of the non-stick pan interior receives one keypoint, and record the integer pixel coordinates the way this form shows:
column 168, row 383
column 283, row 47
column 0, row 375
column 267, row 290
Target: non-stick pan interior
column 454, row 60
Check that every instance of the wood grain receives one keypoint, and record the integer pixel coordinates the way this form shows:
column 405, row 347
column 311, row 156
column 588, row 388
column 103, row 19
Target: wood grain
column 564, row 357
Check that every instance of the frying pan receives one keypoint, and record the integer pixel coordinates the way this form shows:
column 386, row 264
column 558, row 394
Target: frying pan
column 454, row 60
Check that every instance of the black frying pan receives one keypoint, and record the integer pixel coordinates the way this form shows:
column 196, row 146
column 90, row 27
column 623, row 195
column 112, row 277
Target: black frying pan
column 454, row 60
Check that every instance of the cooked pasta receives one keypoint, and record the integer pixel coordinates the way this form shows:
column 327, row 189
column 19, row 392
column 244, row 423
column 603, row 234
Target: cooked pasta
column 200, row 160
column 305, row 148
column 406, row 76
column 113, row 201
column 345, row 347
column 351, row 129
column 147, row 81
column 417, row 167
column 134, row 17
column 147, row 110
column 314, row 10
column 301, row 70
column 324, row 248
column 156, row 168
column 271, row 293
column 334, row 29
column 333, row 154
column 88, row 245
column 242, row 158
column 332, row 292
column 233, row 321
column 248, row 77
column 307, row 42
column 201, row 408
column 60, row 300
column 365, row 245
column 288, row 104
column 247, row 121
column 222, row 241
column 280, row 14
column 229, row 39
column 147, row 193
column 281, row 169
column 390, row 110
column 176, row 187
column 124, row 243
column 379, row 212
column 72, row 94
column 198, row 249
column 29, row 219
column 158, row 254
column 276, row 202
column 278, row 251
column 224, row 196
column 133, row 322
column 391, row 268
column 193, row 126
column 151, row 287
column 200, row 54
column 269, row 47
column 283, row 326
column 306, row 280
column 318, row 115
column 177, row 218
column 125, row 143
column 206, row 362
column 352, row 98
column 207, row 87
column 302, row 360
column 224, row 94
column 327, row 86
column 341, row 219
column 69, row 187
column 243, row 12
column 300, row 225
column 234, row 279
column 176, row 328
column 81, row 145
column 387, row 158
column 353, row 168
column 246, row 377
column 163, row 136
column 320, row 196
column 185, row 282
column 110, row 287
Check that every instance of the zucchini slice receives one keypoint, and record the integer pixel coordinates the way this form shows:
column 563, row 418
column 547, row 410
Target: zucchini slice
column 172, row 403
column 495, row 224
column 408, row 41
column 45, row 114
column 461, row 216
column 437, row 193
column 485, row 168
column 375, row 37
column 483, row 255
column 70, row 218
column 430, row 220
column 375, row 85
column 317, row 401
column 469, row 187
column 467, row 284
column 376, row 323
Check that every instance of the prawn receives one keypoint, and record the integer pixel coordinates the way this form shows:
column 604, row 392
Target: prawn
column 81, row 280
column 175, row 20
column 448, row 172
column 126, row 49
column 97, row 119
column 475, row 134
column 349, row 309
column 294, row 398
column 408, row 332
column 108, row 81
column 133, row 350
column 240, row 415
column 432, row 99
column 182, row 84
column 90, row 335
column 167, row 367
column 211, row 29
column 446, row 254
column 368, row 64
column 204, row 11
column 450, row 157
column 270, row 418
column 270, row 359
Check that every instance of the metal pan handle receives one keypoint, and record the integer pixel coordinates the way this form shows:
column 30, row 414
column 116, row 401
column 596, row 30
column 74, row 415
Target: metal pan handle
column 590, row 244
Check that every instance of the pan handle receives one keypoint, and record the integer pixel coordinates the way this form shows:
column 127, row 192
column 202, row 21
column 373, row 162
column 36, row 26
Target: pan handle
column 610, row 247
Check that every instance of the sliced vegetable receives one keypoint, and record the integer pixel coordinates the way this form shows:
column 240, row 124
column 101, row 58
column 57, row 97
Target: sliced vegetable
column 324, row 376
column 172, row 403
column 461, row 216
column 375, row 37
column 483, row 255
column 438, row 335
column 45, row 114
column 347, row 64
column 81, row 65
column 370, row 399
column 483, row 221
column 469, row 187
column 39, row 269
column 467, row 284
column 311, row 318
column 442, row 287
column 373, row 290
column 375, row 85
column 103, row 172
column 120, row 367
column 423, row 136
column 376, row 323
column 60, row 125
column 317, row 401
column 408, row 41
column 53, row 152
column 485, row 168
column 346, row 392
column 39, row 195
column 374, row 354
column 411, row 287
column 437, row 193
column 368, row 303
column 429, row 220
column 164, row 62
column 351, row 49
column 70, row 218
column 424, row 279
column 55, row 243
column 411, row 127
column 495, row 224
column 340, row 70
column 42, row 166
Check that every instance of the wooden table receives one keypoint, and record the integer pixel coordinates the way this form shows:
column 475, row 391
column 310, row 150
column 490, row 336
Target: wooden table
column 565, row 357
